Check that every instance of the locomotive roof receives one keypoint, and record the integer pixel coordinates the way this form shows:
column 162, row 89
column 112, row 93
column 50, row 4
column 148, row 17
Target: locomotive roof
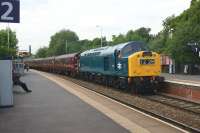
column 108, row 50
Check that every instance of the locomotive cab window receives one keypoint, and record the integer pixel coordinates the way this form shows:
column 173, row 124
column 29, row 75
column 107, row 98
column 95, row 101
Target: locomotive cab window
column 132, row 48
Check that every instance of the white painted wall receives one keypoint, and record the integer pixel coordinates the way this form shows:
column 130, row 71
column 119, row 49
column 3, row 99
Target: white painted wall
column 6, row 83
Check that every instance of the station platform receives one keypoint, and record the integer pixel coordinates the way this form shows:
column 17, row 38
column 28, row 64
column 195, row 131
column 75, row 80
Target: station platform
column 193, row 80
column 185, row 87
column 60, row 106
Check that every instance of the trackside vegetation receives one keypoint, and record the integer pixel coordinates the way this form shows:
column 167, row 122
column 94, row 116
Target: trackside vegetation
column 8, row 48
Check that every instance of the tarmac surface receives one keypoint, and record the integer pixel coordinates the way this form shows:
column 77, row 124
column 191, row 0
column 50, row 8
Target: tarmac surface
column 51, row 109
column 60, row 106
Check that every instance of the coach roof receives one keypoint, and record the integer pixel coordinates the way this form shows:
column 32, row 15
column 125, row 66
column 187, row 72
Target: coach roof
column 67, row 56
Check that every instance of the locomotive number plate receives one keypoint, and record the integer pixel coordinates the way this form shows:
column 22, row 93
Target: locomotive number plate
column 147, row 61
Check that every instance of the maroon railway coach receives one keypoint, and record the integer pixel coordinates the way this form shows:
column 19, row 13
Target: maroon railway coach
column 64, row 64
column 67, row 64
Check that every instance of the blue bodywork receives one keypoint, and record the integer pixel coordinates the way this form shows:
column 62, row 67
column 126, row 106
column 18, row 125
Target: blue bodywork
column 110, row 60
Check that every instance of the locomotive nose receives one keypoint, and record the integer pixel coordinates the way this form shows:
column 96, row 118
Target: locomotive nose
column 144, row 63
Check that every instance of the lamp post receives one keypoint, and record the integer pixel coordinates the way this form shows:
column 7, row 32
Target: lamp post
column 8, row 36
column 66, row 46
column 171, row 31
column 101, row 30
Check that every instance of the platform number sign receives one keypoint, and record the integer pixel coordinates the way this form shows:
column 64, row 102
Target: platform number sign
column 10, row 11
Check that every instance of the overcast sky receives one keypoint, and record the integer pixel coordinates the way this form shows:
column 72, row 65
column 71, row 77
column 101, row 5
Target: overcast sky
column 41, row 19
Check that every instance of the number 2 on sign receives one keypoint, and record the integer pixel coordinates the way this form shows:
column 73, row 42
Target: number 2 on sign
column 5, row 16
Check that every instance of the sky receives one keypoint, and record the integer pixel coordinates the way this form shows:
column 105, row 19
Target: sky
column 41, row 19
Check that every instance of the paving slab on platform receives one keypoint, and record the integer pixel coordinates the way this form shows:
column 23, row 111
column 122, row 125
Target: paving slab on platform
column 184, row 79
column 131, row 119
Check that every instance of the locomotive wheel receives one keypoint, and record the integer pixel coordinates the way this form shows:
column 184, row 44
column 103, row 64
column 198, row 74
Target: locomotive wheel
column 147, row 87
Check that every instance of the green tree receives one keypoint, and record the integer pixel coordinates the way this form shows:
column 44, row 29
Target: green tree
column 158, row 42
column 96, row 42
column 141, row 34
column 58, row 42
column 177, row 33
column 118, row 39
column 73, row 47
column 193, row 2
column 86, row 44
column 186, row 29
column 42, row 52
column 8, row 49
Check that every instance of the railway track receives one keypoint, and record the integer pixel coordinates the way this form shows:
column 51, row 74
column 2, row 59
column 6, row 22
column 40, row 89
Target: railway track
column 185, row 126
column 177, row 103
